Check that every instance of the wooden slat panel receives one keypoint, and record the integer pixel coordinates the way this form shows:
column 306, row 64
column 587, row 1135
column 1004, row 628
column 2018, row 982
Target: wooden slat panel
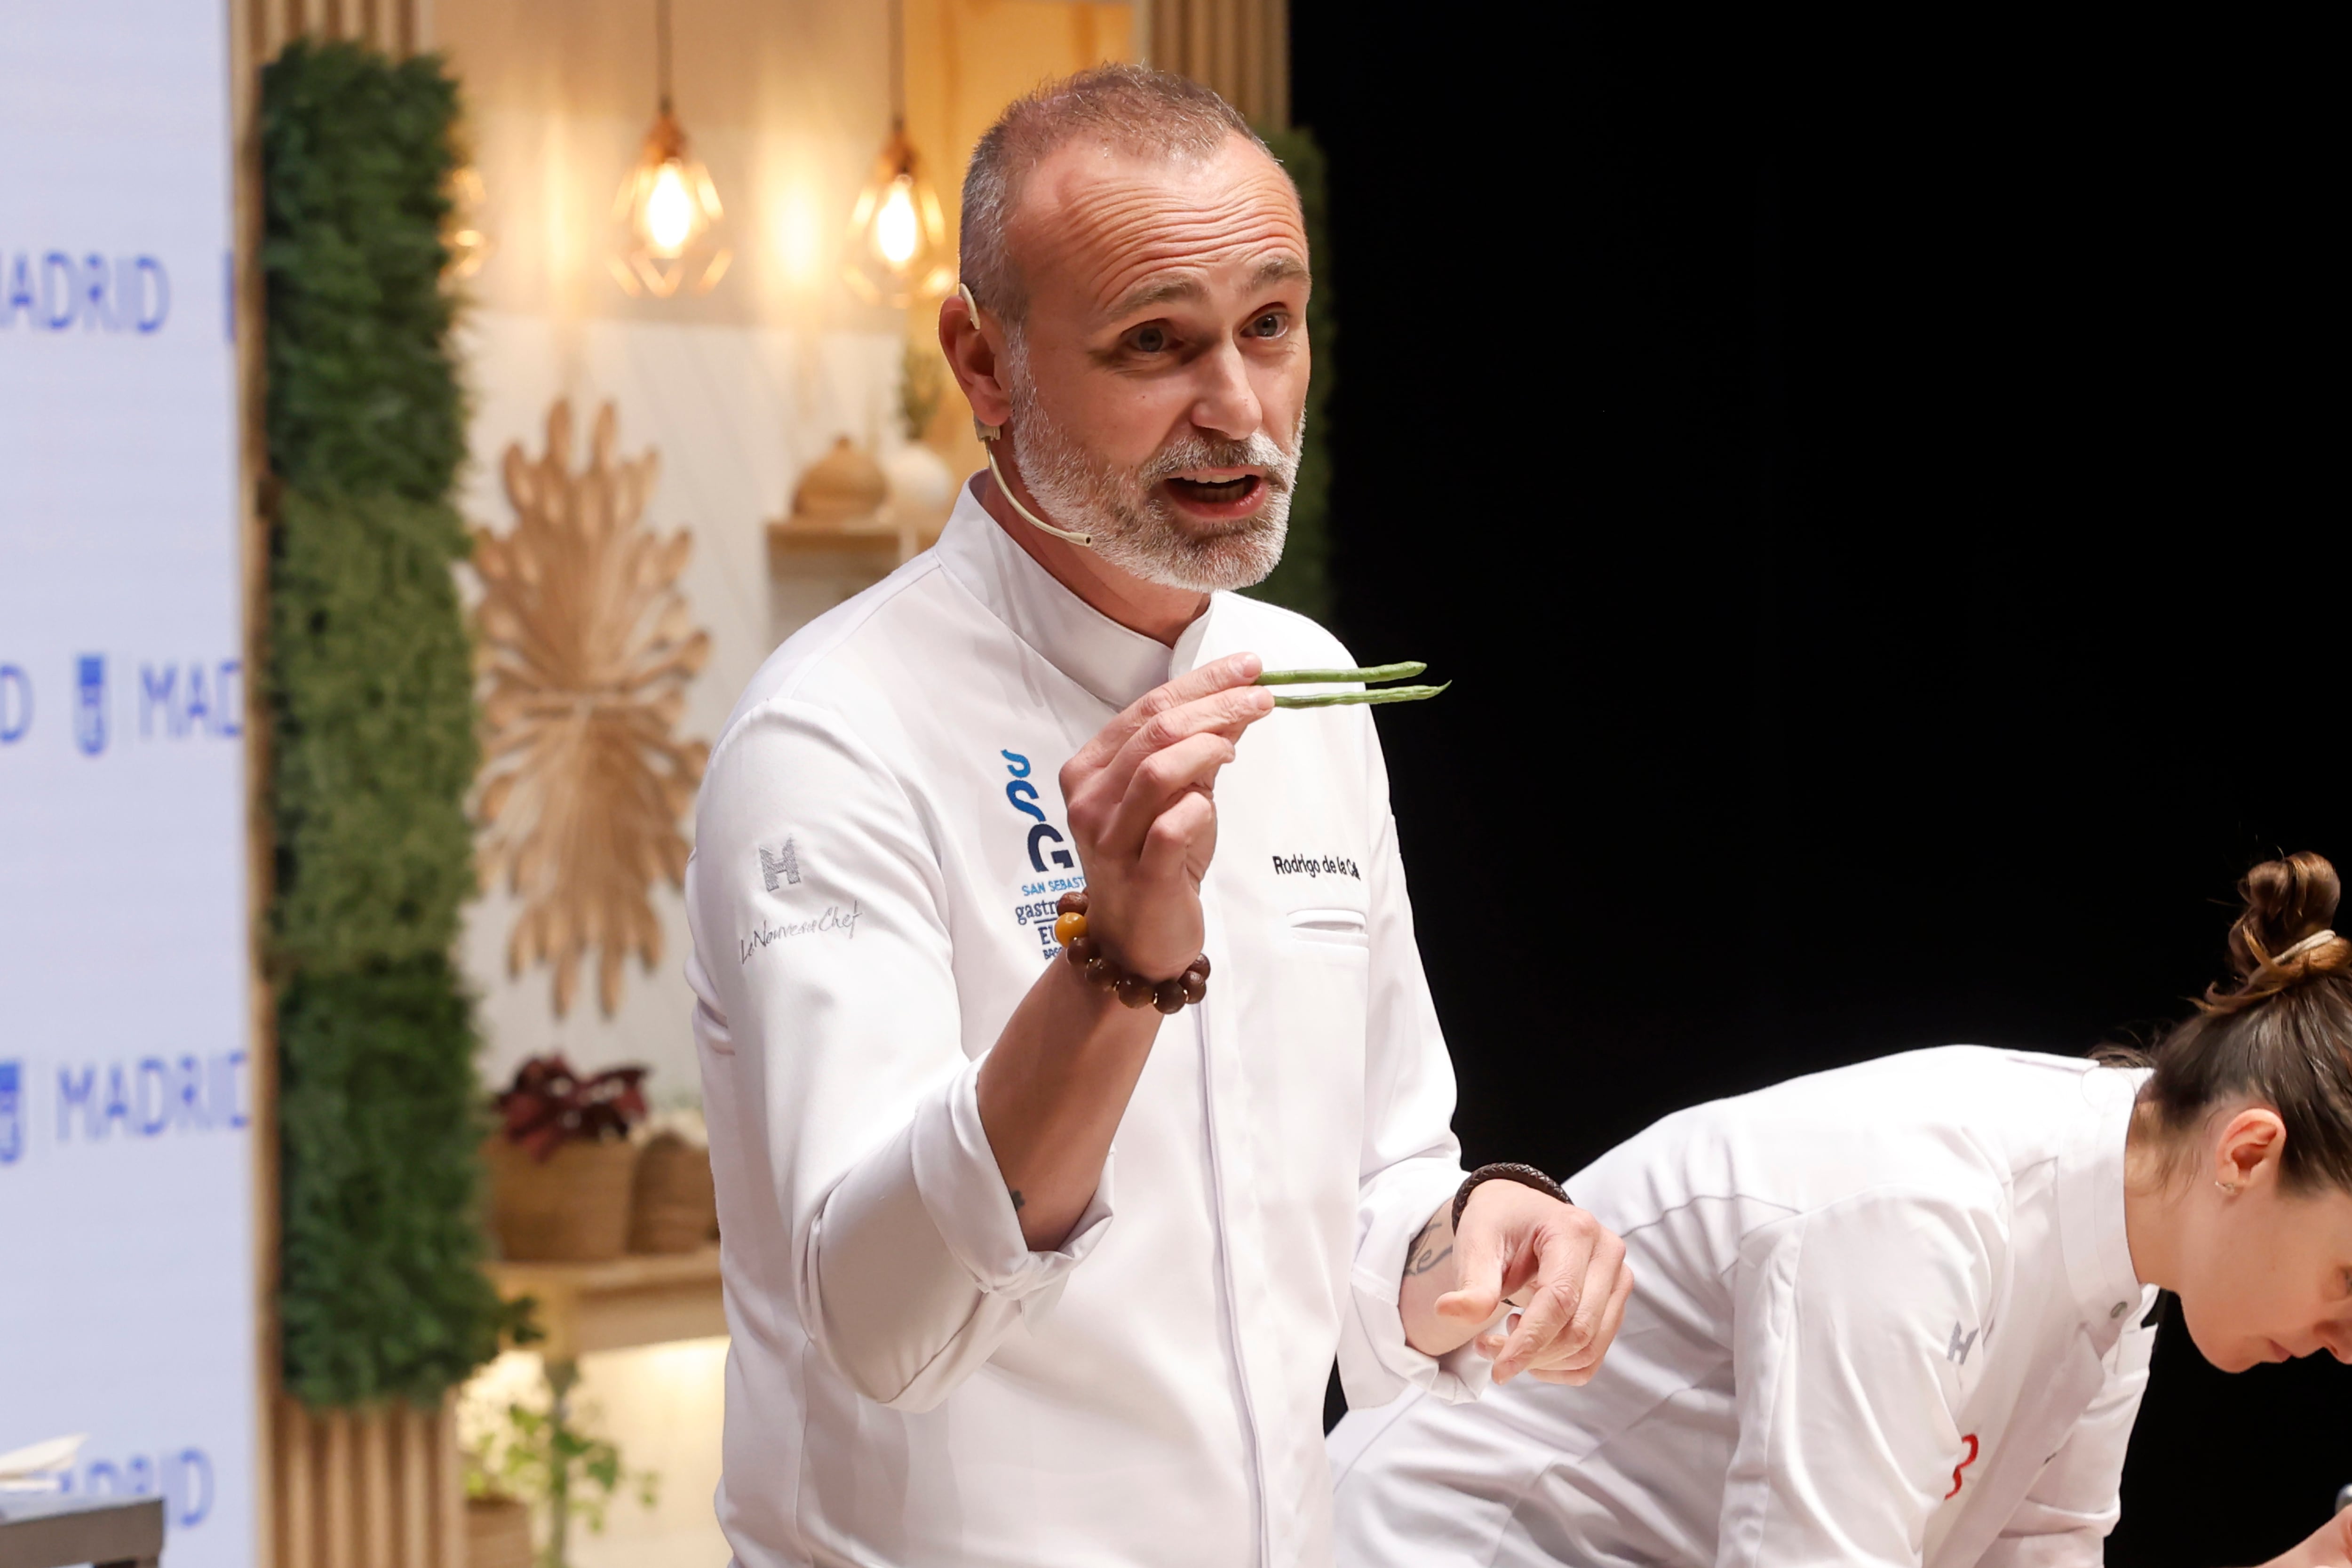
column 298, row 1520
column 1240, row 47
column 418, row 1430
column 450, row 1475
column 339, row 1493
column 375, row 1523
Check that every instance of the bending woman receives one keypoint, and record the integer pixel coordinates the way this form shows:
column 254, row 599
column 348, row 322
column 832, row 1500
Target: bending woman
column 1901, row 1312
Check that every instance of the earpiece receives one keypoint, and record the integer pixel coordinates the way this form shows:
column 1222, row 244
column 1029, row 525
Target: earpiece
column 988, row 435
column 985, row 431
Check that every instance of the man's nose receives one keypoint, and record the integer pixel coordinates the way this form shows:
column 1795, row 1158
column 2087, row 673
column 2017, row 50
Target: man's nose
column 1224, row 401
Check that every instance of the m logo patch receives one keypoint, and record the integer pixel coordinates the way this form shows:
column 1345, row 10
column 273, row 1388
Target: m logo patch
column 781, row 866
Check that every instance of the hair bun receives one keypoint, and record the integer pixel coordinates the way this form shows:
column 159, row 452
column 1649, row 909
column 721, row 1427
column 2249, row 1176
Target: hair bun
column 2289, row 905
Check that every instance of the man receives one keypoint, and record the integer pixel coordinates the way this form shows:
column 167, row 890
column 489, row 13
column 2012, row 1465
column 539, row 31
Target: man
column 965, row 1331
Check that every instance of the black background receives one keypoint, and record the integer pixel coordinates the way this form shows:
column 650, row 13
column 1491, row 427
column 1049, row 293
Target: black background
column 1872, row 488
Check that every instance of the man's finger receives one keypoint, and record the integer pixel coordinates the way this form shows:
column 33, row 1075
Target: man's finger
column 1189, row 767
column 1587, row 1340
column 1481, row 1246
column 1575, row 1266
column 1219, row 674
column 1227, row 712
column 1170, row 838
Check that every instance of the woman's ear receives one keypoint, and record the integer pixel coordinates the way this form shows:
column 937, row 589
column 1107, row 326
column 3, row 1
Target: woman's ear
column 975, row 358
column 2249, row 1149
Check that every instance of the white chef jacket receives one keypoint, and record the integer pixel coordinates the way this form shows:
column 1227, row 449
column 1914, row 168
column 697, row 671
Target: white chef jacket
column 881, row 842
column 1882, row 1315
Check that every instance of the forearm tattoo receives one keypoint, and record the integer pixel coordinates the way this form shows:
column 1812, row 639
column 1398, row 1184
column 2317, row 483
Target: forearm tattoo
column 1016, row 1198
column 1425, row 1253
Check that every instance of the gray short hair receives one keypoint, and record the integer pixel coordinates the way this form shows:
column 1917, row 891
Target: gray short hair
column 1131, row 107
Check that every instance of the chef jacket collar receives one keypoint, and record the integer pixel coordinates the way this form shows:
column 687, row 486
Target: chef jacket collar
column 1114, row 664
column 2090, row 1182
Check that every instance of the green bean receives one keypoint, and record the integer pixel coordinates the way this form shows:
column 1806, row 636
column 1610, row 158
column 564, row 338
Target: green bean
column 1310, row 677
column 1343, row 699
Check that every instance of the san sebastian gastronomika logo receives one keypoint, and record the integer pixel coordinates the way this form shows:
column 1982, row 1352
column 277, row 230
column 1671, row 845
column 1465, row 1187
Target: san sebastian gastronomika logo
column 1049, row 856
column 1023, row 794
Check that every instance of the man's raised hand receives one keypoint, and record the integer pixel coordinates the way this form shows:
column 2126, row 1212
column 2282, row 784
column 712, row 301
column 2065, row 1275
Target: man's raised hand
column 1141, row 801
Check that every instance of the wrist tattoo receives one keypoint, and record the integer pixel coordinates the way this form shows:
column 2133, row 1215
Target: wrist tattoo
column 1017, row 1199
column 1423, row 1253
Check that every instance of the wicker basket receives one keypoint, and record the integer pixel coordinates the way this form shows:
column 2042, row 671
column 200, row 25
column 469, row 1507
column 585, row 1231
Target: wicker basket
column 498, row 1533
column 574, row 1208
column 675, row 1208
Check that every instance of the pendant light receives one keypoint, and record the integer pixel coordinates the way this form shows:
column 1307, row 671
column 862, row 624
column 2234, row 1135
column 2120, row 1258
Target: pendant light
column 463, row 244
column 897, row 249
column 668, row 208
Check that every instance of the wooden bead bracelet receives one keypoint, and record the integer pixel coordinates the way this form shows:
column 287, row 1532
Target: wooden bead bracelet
column 1132, row 989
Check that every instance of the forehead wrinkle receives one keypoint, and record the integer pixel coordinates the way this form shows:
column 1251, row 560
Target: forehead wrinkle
column 1112, row 231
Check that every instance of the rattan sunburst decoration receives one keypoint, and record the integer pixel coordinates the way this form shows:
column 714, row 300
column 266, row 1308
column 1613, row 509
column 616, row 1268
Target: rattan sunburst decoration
column 585, row 650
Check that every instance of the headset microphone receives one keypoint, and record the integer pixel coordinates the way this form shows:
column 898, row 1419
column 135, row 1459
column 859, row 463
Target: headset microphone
column 988, row 435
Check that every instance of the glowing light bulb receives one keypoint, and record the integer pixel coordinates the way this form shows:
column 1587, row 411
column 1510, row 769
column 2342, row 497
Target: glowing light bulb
column 669, row 212
column 896, row 231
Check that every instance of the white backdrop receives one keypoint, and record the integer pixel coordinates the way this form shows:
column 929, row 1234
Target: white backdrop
column 737, row 414
column 126, row 1168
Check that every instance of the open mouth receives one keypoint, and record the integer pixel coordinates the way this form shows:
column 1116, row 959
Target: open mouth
column 1220, row 495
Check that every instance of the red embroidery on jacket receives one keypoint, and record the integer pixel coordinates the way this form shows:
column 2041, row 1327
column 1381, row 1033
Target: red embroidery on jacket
column 1971, row 1439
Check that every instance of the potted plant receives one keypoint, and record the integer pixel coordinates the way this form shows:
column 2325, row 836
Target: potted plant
column 542, row 1460
column 562, row 1162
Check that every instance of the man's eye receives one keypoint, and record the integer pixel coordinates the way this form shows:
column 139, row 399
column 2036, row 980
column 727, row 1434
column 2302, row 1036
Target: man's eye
column 1150, row 339
column 1273, row 325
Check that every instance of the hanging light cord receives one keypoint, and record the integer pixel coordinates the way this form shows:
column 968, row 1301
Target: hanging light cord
column 661, row 49
column 897, row 64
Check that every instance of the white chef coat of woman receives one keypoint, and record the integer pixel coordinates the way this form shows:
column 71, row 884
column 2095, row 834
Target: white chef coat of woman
column 1901, row 1312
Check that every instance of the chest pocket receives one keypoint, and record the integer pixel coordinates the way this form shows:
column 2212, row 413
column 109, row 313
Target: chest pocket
column 1333, row 927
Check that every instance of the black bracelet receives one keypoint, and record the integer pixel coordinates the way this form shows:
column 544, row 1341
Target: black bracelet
column 1525, row 1175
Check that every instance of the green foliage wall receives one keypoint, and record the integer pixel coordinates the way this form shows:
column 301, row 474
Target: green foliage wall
column 371, row 690
column 1303, row 581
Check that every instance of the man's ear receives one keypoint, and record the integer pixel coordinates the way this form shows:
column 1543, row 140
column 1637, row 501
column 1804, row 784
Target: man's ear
column 2250, row 1145
column 972, row 346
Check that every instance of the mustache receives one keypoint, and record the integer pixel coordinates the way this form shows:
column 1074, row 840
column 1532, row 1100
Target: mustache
column 1259, row 451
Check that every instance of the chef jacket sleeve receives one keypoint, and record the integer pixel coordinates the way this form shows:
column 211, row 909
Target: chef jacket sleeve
column 890, row 1228
column 1848, row 1439
column 2075, row 1502
column 1411, row 1161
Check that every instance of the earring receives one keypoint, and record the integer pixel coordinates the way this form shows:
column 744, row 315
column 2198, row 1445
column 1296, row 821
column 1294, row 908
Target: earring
column 2227, row 1187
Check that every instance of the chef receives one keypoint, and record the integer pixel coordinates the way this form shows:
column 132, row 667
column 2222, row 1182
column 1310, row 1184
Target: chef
column 1901, row 1314
column 1074, row 1087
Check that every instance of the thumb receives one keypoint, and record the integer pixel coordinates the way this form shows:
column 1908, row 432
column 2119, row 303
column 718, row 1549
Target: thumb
column 1479, row 1294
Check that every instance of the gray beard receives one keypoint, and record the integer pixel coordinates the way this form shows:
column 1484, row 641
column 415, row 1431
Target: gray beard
column 1134, row 527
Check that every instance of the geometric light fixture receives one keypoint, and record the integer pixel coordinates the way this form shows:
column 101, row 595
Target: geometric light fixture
column 666, row 208
column 897, row 251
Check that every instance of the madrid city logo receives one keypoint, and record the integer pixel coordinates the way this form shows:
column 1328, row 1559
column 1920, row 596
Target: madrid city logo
column 12, row 1112
column 1023, row 794
column 90, row 709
